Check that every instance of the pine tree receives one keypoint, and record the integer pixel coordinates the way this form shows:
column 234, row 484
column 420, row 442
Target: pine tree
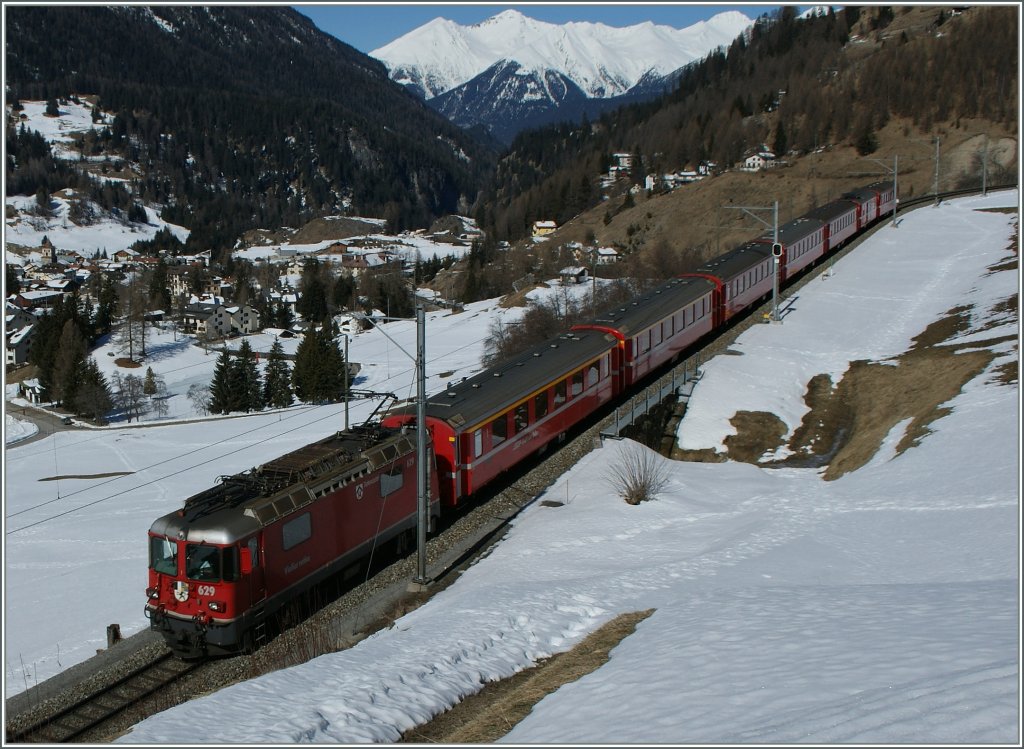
column 220, row 386
column 306, row 373
column 331, row 383
column 67, row 366
column 246, row 380
column 93, row 399
column 277, row 388
column 149, row 384
column 312, row 304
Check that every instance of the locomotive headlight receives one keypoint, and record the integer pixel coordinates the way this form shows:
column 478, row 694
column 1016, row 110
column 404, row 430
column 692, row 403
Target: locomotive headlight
column 152, row 592
column 217, row 606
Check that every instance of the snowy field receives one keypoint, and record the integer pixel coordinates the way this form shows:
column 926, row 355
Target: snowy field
column 879, row 608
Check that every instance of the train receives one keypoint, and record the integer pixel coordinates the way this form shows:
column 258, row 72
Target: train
column 233, row 556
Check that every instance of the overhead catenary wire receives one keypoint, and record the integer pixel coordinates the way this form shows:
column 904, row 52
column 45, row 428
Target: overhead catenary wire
column 396, row 375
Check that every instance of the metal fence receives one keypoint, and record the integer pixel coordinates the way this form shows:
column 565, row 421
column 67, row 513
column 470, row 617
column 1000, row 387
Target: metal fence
column 678, row 383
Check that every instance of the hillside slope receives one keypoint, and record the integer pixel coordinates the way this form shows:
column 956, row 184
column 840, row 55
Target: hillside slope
column 242, row 117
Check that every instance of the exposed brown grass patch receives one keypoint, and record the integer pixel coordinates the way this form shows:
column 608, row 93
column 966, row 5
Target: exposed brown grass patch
column 756, row 433
column 846, row 423
column 492, row 712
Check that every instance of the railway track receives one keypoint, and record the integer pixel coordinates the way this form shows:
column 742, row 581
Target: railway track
column 90, row 713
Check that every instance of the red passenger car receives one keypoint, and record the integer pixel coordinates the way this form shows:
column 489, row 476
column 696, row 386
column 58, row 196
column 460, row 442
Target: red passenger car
column 840, row 220
column 486, row 424
column 236, row 553
column 741, row 276
column 657, row 326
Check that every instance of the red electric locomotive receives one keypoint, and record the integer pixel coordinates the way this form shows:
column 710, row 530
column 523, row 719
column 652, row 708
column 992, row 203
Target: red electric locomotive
column 236, row 553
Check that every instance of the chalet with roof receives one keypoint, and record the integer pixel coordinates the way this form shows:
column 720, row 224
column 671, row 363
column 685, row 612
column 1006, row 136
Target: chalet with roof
column 543, row 228
column 762, row 159
column 125, row 256
column 37, row 299
column 18, row 327
column 573, row 275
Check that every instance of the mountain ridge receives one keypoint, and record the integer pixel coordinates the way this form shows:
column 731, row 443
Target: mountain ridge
column 498, row 73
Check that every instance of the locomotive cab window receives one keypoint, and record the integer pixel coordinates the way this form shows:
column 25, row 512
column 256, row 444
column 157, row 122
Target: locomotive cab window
column 163, row 555
column 202, row 562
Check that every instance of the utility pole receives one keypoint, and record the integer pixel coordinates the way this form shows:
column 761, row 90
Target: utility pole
column 895, row 183
column 936, row 170
column 422, row 490
column 984, row 168
column 895, row 187
column 421, row 580
column 346, row 380
column 776, row 248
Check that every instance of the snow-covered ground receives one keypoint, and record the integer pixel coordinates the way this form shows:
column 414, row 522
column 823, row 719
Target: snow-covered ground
column 879, row 608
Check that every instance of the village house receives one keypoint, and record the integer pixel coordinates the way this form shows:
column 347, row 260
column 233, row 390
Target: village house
column 359, row 262
column 543, row 228
column 763, row 159
column 18, row 346
column 37, row 299
column 125, row 256
column 18, row 334
column 573, row 275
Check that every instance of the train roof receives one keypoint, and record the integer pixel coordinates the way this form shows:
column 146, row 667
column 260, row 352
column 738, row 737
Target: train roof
column 240, row 504
column 831, row 211
column 861, row 194
column 793, row 231
column 654, row 305
column 474, row 399
column 737, row 261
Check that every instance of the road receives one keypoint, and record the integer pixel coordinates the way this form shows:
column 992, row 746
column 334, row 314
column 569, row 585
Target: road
column 46, row 423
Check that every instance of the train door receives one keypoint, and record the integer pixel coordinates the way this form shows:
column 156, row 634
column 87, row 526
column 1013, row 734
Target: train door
column 252, row 568
column 252, row 565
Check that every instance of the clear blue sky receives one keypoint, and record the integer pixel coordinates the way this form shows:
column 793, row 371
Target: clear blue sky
column 369, row 26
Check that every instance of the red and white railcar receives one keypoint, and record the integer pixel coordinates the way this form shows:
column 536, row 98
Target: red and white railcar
column 741, row 277
column 488, row 423
column 657, row 326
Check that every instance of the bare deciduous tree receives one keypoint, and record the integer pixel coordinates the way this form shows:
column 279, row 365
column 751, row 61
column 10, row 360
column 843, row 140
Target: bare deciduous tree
column 200, row 397
column 638, row 473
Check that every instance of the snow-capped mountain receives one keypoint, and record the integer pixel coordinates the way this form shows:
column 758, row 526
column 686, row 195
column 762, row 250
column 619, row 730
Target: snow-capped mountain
column 603, row 61
column 510, row 63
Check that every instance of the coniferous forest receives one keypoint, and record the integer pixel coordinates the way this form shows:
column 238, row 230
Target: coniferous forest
column 730, row 102
column 240, row 117
column 250, row 117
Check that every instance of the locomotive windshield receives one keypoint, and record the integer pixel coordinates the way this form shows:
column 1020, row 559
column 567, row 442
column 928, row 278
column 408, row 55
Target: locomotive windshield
column 202, row 562
column 163, row 555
